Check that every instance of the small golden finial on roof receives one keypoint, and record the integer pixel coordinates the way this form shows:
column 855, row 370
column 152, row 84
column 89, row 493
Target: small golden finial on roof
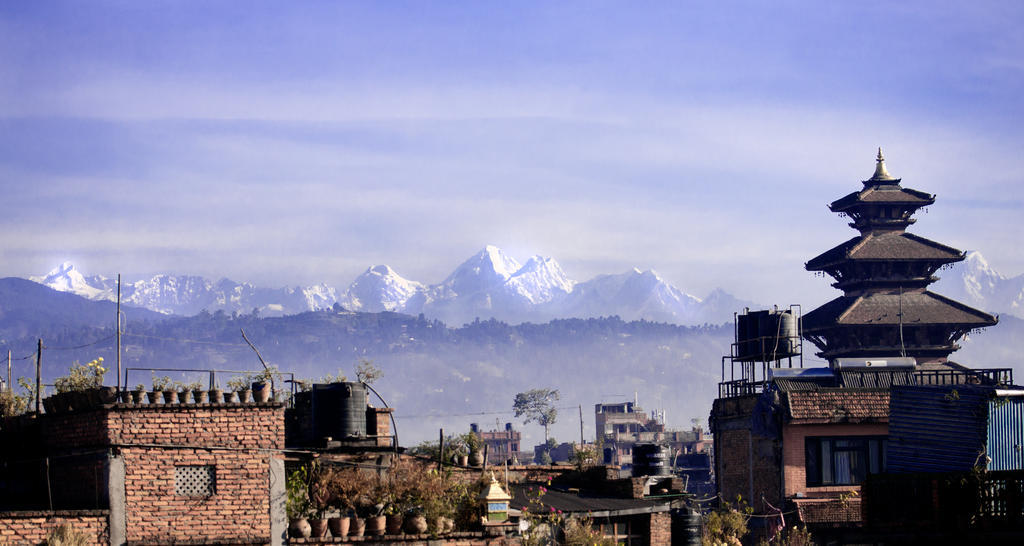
column 880, row 172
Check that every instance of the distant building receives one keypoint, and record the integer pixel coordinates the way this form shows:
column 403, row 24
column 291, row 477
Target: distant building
column 622, row 425
column 502, row 445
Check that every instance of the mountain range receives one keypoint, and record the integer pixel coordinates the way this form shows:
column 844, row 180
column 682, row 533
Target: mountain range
column 976, row 283
column 489, row 284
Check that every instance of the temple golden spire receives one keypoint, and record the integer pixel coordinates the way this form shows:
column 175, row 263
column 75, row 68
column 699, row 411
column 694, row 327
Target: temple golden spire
column 881, row 174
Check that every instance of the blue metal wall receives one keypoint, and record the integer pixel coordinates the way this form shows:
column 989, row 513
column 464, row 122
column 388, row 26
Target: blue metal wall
column 1006, row 433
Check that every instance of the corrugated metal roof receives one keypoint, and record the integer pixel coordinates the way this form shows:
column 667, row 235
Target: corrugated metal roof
column 939, row 428
column 1006, row 433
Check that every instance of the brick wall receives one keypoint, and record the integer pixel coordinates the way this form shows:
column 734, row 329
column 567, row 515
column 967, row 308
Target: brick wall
column 794, row 455
column 75, row 430
column 746, row 465
column 236, row 425
column 378, row 422
column 661, row 529
column 239, row 437
column 32, row 527
column 238, row 509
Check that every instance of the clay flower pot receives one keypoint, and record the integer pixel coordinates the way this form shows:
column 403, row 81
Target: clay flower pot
column 216, row 396
column 376, row 525
column 394, row 524
column 416, row 525
column 357, row 528
column 318, row 528
column 339, row 526
column 299, row 528
column 199, row 396
column 170, row 397
column 155, row 397
column 243, row 396
column 261, row 392
column 136, row 396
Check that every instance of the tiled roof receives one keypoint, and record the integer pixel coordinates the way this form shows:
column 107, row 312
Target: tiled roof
column 885, row 194
column 917, row 308
column 898, row 245
column 821, row 511
column 837, row 406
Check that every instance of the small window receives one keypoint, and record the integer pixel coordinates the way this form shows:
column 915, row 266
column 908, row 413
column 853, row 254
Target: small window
column 195, row 480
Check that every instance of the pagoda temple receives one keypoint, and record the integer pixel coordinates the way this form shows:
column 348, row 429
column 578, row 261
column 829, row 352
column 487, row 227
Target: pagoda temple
column 886, row 308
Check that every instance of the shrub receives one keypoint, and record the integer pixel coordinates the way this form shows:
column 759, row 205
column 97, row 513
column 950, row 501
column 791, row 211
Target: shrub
column 66, row 535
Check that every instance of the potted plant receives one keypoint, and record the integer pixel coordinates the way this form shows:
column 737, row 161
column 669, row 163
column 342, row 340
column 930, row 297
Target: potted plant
column 401, row 480
column 83, row 385
column 198, row 393
column 184, row 392
column 160, row 385
column 262, row 384
column 216, row 394
column 137, row 393
column 240, row 385
column 320, row 495
column 297, row 504
column 476, row 448
column 171, row 392
column 374, row 505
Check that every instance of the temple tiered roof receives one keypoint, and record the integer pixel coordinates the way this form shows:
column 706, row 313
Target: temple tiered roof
column 883, row 273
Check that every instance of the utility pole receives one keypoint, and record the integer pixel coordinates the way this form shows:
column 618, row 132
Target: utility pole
column 39, row 374
column 119, row 334
column 440, row 452
column 10, row 386
column 581, row 426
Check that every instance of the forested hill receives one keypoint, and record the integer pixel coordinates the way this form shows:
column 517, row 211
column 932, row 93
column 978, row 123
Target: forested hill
column 434, row 375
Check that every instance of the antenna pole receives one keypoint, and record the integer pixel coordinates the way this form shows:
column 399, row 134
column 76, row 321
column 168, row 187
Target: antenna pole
column 119, row 333
column 39, row 374
column 903, row 348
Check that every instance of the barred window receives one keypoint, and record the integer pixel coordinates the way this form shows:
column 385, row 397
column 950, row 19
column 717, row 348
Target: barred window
column 195, row 480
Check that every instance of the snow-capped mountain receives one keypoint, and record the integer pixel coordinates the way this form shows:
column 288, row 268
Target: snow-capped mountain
column 976, row 283
column 380, row 288
column 189, row 294
column 489, row 284
column 631, row 295
column 540, row 280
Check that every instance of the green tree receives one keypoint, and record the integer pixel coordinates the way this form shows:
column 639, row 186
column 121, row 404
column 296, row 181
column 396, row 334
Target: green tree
column 537, row 406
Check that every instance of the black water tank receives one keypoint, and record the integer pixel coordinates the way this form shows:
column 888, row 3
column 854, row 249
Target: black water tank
column 339, row 410
column 687, row 527
column 650, row 460
column 778, row 331
column 748, row 346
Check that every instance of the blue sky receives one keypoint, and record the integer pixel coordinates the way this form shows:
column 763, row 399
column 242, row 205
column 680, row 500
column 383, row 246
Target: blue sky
column 286, row 143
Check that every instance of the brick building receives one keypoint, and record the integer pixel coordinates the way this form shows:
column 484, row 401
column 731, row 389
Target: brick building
column 502, row 445
column 160, row 473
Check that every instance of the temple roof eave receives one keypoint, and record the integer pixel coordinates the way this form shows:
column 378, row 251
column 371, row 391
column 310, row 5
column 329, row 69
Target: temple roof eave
column 918, row 309
column 874, row 196
column 891, row 246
